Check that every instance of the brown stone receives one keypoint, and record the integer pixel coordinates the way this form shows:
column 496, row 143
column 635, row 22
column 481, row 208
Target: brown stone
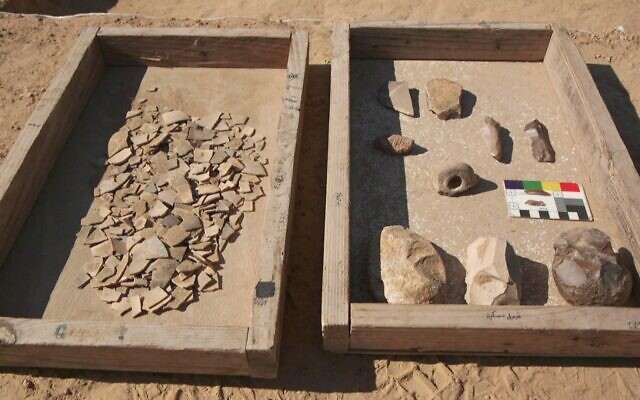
column 587, row 271
column 493, row 273
column 394, row 144
column 411, row 268
column 444, row 98
column 540, row 142
column 455, row 180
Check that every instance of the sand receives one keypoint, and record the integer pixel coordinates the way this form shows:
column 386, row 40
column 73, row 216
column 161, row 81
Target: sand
column 31, row 50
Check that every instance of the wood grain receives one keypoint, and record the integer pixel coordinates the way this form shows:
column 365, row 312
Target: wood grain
column 472, row 42
column 116, row 346
column 268, row 305
column 508, row 330
column 601, row 146
column 159, row 347
column 195, row 47
column 335, row 278
column 34, row 153
column 465, row 329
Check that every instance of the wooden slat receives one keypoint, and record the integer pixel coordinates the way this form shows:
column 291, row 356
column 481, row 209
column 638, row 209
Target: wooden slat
column 268, row 305
column 470, row 42
column 600, row 144
column 118, row 346
column 508, row 330
column 195, row 47
column 34, row 153
column 335, row 278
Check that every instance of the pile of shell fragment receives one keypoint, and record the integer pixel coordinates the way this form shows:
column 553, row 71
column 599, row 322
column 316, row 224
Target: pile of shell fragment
column 173, row 195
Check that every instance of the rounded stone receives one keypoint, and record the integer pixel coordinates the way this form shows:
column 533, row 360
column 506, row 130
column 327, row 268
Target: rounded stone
column 455, row 180
column 586, row 270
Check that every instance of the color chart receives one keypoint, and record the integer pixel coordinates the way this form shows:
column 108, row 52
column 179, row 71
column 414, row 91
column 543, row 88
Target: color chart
column 547, row 200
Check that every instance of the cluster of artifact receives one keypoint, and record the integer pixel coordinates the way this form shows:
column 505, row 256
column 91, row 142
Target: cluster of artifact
column 411, row 270
column 173, row 195
column 586, row 270
column 445, row 101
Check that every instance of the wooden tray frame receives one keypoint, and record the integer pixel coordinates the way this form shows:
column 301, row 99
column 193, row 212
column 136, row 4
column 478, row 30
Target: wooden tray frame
column 467, row 329
column 251, row 350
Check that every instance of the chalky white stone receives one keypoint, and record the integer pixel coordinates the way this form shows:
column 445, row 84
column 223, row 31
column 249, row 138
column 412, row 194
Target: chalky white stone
column 493, row 273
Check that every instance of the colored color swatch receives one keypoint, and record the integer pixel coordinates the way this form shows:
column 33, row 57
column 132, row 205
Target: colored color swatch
column 547, row 200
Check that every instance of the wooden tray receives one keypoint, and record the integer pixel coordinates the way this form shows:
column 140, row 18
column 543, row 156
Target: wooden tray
column 516, row 72
column 46, row 185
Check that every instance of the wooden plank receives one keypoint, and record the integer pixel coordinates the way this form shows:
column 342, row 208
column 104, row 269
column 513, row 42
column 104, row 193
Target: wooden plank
column 599, row 142
column 507, row 330
column 469, row 42
column 34, row 153
column 335, row 277
column 118, row 346
column 450, row 25
column 268, row 305
column 195, row 47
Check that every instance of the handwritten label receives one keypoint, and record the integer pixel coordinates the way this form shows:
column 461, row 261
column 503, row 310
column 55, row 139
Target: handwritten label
column 634, row 325
column 509, row 316
column 61, row 331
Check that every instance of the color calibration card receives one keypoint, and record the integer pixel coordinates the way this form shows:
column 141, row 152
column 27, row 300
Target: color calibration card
column 547, row 200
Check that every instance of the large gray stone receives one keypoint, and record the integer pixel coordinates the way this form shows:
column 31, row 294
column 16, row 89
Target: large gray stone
column 586, row 270
column 411, row 268
column 493, row 273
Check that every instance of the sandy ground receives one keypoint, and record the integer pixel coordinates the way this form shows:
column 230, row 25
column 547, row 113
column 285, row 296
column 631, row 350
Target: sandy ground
column 31, row 50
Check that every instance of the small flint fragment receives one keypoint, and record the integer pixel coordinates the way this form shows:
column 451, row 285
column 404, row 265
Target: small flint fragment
column 540, row 143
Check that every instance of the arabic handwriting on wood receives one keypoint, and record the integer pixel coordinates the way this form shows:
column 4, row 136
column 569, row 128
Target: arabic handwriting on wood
column 509, row 316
